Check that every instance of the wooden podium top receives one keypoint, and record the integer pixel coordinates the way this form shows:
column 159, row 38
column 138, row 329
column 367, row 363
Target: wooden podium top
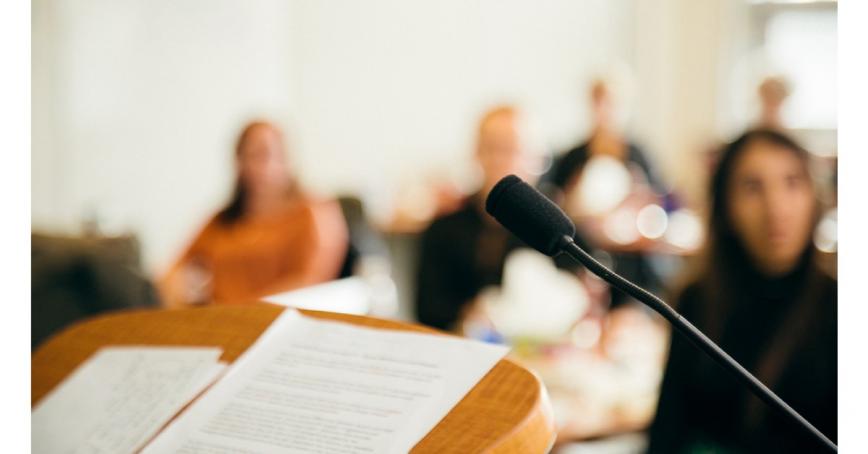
column 507, row 412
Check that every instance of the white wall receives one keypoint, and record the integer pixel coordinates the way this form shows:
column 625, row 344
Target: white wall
column 398, row 86
column 685, row 54
column 137, row 102
column 136, row 105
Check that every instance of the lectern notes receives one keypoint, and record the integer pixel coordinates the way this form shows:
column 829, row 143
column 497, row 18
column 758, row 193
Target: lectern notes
column 120, row 397
column 320, row 386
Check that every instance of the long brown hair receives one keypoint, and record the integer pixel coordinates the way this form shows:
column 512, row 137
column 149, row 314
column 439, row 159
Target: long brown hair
column 724, row 260
column 724, row 253
column 236, row 207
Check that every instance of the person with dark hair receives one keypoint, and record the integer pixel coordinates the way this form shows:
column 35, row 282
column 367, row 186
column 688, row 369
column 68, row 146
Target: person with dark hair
column 607, row 141
column 761, row 296
column 271, row 237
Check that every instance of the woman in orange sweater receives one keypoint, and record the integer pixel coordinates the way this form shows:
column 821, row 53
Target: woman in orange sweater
column 271, row 237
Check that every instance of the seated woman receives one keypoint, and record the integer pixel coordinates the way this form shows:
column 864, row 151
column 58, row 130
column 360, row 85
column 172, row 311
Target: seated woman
column 271, row 236
column 762, row 297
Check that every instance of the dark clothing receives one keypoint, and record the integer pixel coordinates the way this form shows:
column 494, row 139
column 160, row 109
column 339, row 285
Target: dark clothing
column 364, row 241
column 569, row 165
column 461, row 254
column 784, row 331
column 633, row 266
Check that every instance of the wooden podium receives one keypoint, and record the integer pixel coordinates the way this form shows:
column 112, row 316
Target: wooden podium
column 507, row 412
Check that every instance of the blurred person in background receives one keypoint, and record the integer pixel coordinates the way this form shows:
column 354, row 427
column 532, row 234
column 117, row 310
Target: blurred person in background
column 773, row 91
column 464, row 252
column 771, row 94
column 608, row 106
column 477, row 279
column 609, row 144
column 761, row 296
column 271, row 236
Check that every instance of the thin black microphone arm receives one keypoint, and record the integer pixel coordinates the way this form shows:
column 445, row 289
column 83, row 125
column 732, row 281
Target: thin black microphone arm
column 569, row 247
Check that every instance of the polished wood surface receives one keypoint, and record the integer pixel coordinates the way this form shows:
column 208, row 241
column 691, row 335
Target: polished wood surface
column 507, row 412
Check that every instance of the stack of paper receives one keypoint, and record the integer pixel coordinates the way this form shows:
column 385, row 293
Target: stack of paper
column 324, row 387
column 305, row 386
column 117, row 400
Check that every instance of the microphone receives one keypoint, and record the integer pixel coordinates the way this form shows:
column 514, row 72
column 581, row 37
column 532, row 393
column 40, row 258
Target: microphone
column 540, row 223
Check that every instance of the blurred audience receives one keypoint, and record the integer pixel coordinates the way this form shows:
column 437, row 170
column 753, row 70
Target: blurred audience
column 271, row 236
column 761, row 296
column 608, row 103
column 464, row 252
column 620, row 163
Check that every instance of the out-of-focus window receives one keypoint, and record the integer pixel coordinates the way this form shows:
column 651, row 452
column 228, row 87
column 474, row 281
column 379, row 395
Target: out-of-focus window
column 800, row 41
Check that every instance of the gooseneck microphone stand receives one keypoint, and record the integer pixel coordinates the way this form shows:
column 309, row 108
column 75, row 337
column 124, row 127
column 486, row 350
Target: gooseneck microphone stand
column 569, row 247
column 540, row 223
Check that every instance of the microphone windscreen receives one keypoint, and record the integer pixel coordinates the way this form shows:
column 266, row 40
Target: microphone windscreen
column 528, row 214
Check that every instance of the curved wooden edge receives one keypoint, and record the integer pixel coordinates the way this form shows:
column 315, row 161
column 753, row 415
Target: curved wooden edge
column 486, row 416
column 537, row 433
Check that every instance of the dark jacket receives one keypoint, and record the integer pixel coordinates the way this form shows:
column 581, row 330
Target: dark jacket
column 461, row 253
column 633, row 266
column 784, row 337
column 573, row 161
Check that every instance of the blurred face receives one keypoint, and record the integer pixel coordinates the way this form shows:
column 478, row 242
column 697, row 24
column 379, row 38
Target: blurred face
column 771, row 206
column 261, row 162
column 772, row 94
column 499, row 150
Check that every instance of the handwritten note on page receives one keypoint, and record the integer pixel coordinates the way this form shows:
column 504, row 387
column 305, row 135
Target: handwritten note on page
column 119, row 398
column 317, row 386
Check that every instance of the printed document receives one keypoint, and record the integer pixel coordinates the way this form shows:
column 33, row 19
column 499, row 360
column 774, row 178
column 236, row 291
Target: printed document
column 316, row 386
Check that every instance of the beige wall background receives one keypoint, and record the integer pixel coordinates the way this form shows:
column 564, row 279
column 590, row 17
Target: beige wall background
column 136, row 104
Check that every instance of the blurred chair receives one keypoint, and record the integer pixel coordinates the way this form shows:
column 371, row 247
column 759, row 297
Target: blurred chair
column 364, row 240
column 367, row 266
column 75, row 278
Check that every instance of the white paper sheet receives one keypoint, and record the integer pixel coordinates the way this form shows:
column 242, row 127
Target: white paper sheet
column 325, row 387
column 118, row 399
column 350, row 295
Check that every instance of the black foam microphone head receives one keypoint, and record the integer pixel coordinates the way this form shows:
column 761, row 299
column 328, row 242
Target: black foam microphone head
column 528, row 214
